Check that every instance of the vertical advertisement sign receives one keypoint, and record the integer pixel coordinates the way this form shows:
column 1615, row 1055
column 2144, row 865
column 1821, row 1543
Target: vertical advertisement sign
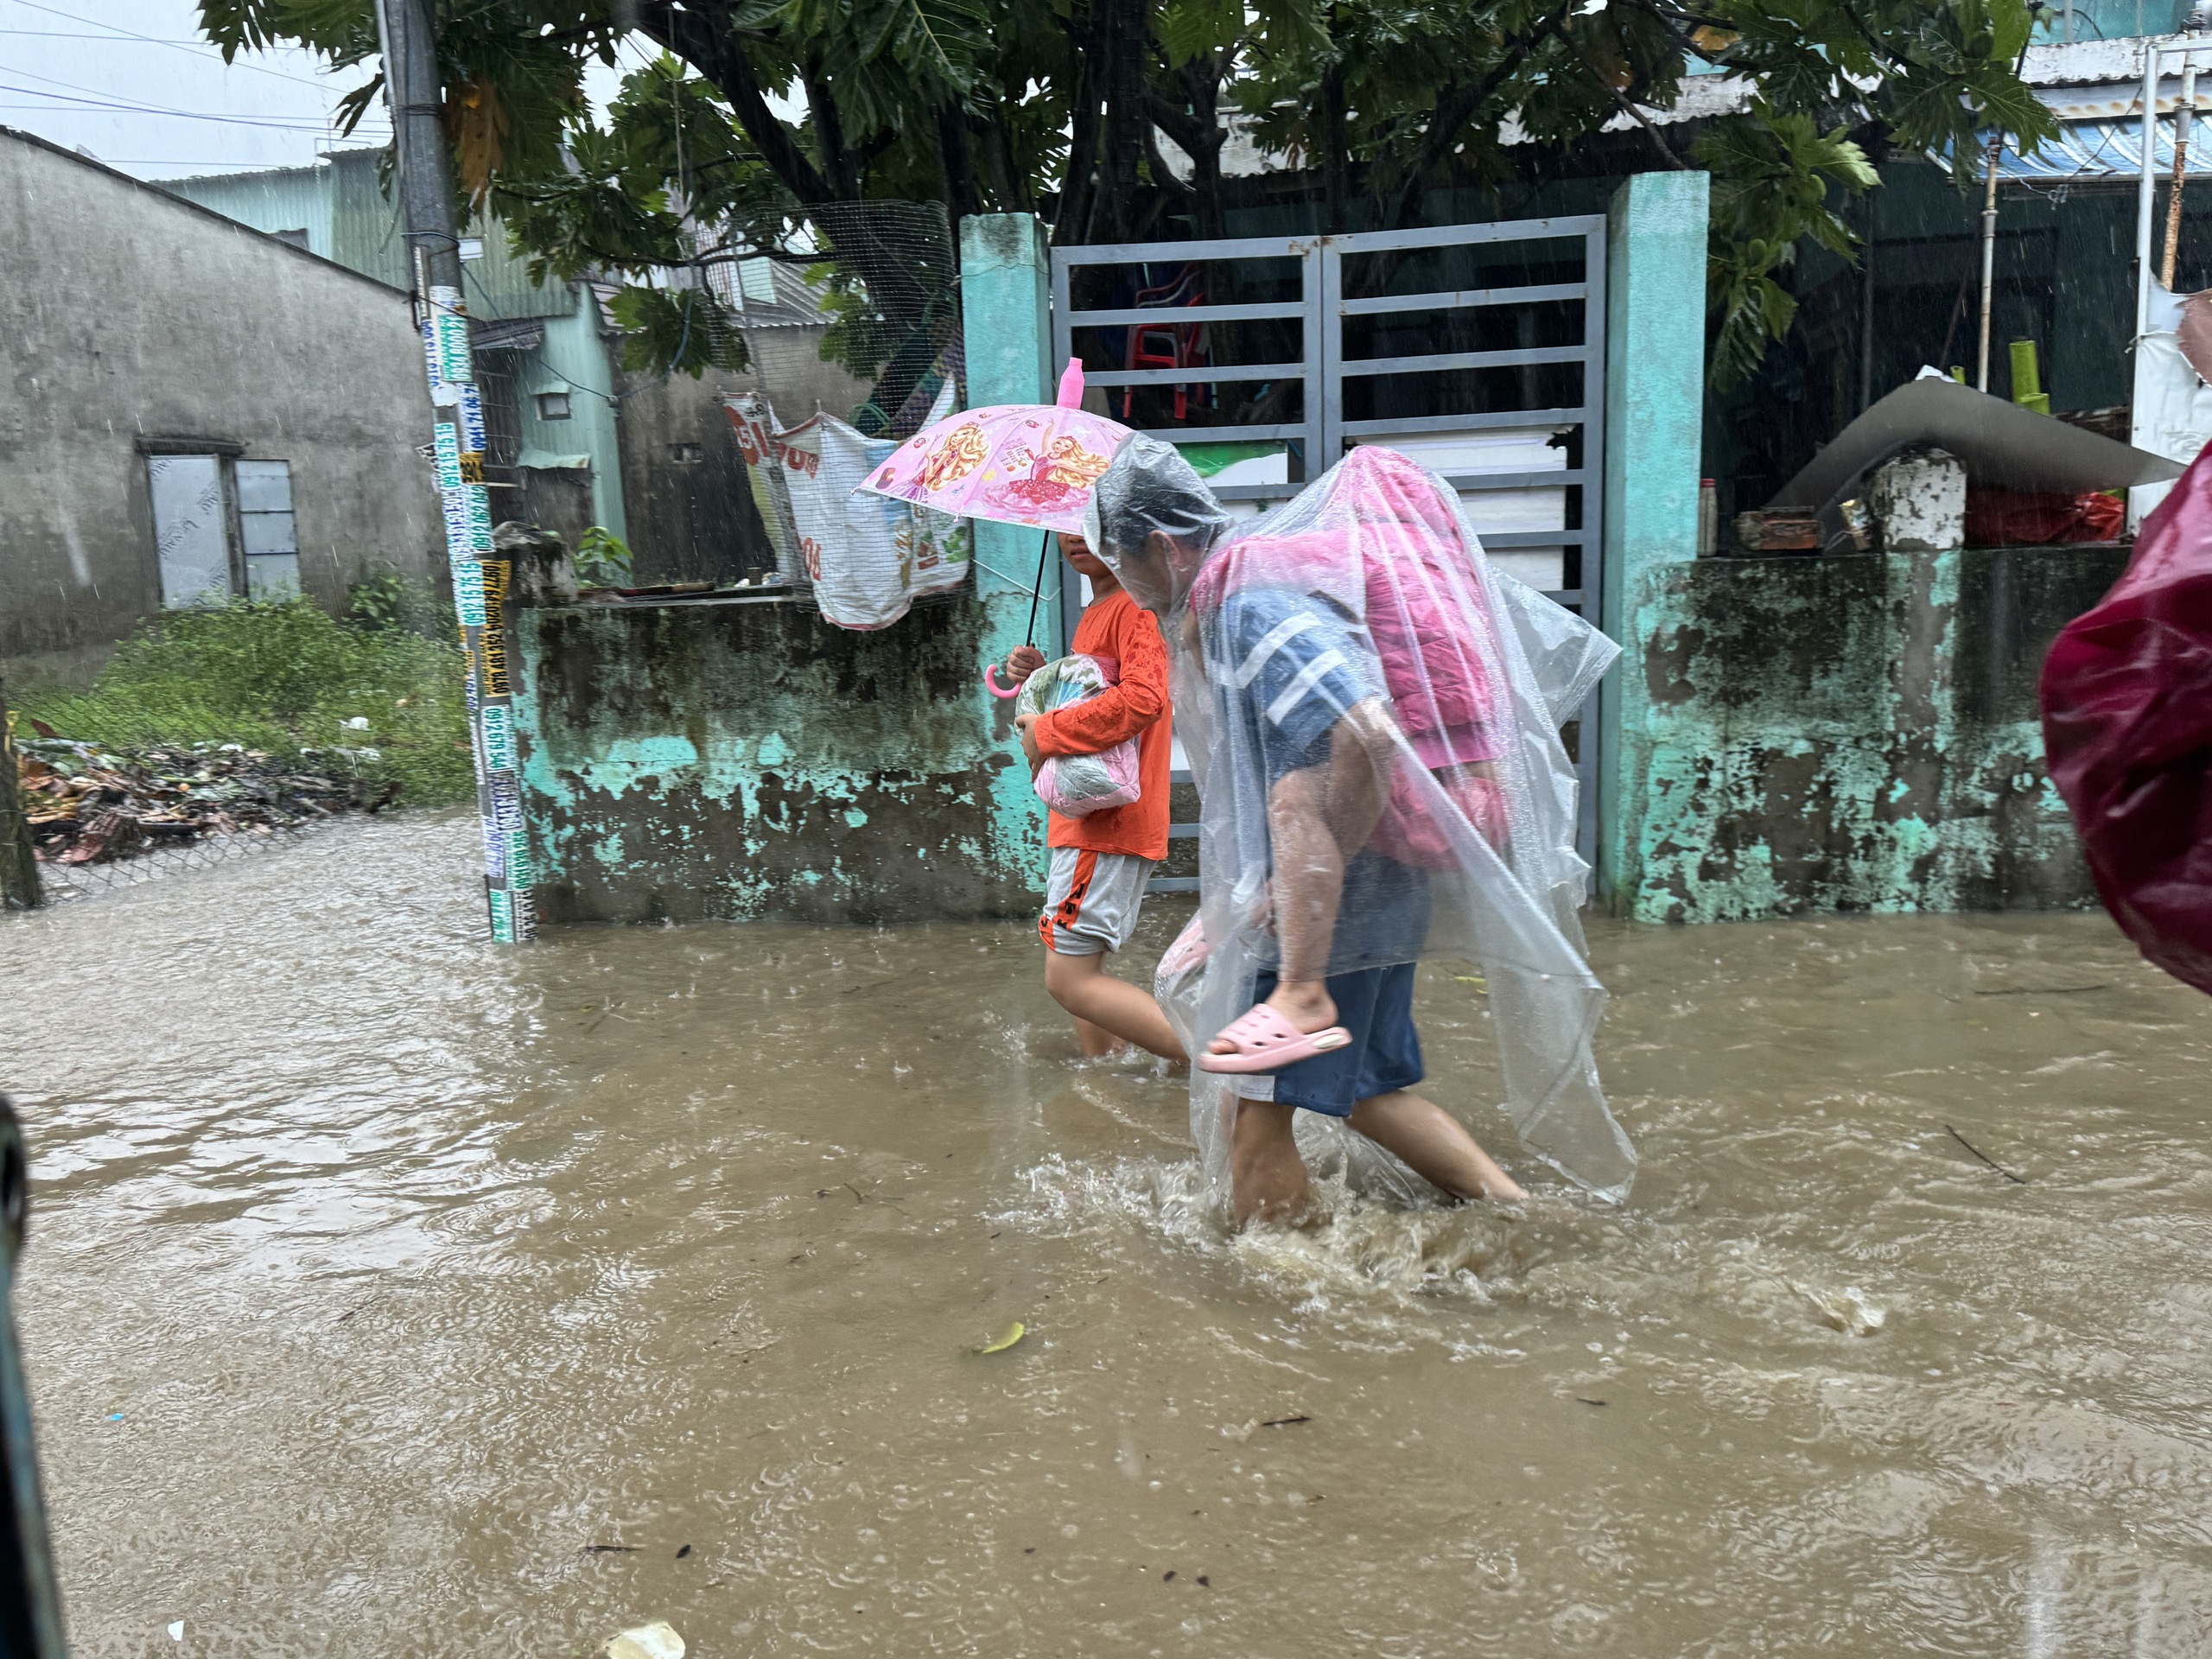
column 479, row 598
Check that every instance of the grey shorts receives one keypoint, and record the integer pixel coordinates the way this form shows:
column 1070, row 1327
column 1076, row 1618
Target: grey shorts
column 1091, row 901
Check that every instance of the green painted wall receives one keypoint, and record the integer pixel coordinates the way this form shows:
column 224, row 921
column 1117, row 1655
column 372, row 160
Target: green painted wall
column 2113, row 20
column 575, row 358
column 272, row 200
column 1854, row 733
column 746, row 758
column 743, row 760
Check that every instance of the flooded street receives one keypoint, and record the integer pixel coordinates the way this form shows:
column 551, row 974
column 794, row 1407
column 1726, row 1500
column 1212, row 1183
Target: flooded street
column 386, row 1293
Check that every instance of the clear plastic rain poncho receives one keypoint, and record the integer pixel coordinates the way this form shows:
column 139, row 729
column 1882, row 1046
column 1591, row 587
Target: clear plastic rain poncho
column 1372, row 715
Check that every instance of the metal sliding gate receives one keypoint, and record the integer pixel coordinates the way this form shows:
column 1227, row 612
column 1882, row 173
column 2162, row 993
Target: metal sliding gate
column 1479, row 350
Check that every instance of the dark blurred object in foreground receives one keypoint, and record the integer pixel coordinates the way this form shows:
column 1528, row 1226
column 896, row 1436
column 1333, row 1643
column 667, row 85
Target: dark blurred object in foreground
column 30, row 1606
column 2127, row 730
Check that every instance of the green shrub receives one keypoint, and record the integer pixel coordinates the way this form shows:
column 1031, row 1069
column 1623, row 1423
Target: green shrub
column 602, row 559
column 288, row 678
column 385, row 599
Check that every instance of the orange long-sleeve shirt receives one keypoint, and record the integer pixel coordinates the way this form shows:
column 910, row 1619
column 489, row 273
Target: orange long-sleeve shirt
column 1114, row 627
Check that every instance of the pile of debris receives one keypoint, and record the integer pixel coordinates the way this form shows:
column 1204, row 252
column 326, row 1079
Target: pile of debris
column 89, row 805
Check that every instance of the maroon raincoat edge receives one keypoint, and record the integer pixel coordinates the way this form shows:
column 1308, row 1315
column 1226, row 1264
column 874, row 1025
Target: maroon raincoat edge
column 2127, row 696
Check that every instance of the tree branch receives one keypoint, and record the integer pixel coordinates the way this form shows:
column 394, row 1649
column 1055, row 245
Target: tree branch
column 1454, row 112
column 1627, row 107
column 705, row 36
column 1079, row 189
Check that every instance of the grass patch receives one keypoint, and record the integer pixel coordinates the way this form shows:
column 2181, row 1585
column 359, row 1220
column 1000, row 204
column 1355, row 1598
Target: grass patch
column 287, row 678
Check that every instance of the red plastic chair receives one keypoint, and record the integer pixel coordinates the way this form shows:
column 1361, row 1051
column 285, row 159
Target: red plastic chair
column 1171, row 345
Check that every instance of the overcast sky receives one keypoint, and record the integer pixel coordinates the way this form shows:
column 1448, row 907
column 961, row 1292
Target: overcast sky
column 134, row 82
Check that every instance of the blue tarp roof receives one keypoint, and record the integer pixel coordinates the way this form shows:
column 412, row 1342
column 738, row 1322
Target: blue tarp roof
column 2108, row 148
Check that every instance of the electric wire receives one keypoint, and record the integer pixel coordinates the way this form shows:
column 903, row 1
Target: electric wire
column 95, row 102
column 182, row 46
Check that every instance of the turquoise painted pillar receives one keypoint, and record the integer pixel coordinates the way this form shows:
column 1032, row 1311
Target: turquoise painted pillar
column 1007, row 324
column 1655, row 403
column 1006, row 317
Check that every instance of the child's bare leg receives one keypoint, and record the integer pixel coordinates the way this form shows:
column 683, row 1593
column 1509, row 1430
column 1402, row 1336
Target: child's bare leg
column 1096, row 1040
column 1113, row 1007
column 1319, row 818
column 1435, row 1143
column 1267, row 1177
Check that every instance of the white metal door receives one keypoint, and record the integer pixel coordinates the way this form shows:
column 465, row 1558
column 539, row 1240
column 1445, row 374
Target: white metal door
column 192, row 529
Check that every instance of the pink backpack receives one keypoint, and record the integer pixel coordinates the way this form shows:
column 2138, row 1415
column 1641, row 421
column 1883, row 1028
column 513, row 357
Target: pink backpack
column 1426, row 611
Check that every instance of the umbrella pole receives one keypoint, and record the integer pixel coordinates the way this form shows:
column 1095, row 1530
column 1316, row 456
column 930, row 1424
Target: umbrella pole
column 1029, row 634
column 1037, row 590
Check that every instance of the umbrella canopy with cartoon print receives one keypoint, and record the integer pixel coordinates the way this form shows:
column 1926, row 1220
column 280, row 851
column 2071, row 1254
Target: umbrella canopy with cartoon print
column 1026, row 464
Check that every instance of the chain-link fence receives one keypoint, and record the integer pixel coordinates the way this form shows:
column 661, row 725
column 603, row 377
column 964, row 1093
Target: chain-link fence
column 64, row 882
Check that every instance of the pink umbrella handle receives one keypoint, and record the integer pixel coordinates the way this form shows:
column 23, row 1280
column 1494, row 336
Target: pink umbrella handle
column 991, row 681
column 1071, row 386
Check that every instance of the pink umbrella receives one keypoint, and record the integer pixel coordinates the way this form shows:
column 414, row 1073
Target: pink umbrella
column 1028, row 464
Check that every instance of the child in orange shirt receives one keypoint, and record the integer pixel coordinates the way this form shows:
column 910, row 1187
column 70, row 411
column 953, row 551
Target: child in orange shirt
column 1102, row 861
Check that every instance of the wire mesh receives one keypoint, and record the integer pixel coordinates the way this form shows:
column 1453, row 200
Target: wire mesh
column 875, row 286
column 66, row 882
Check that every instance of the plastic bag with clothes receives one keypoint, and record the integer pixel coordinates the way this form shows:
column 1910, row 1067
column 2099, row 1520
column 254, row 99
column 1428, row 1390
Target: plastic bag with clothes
column 1074, row 785
column 1373, row 717
column 867, row 558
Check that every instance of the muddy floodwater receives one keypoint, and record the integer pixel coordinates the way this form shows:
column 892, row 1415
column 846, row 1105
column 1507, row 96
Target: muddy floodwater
column 388, row 1294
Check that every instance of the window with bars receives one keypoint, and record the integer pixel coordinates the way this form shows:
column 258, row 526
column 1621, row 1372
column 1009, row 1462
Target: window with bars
column 266, row 532
column 222, row 526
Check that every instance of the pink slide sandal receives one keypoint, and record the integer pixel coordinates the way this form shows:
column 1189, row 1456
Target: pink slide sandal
column 1267, row 1042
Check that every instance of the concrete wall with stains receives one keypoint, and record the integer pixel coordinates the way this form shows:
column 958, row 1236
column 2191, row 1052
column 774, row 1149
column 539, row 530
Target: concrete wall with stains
column 133, row 320
column 743, row 759
column 1854, row 733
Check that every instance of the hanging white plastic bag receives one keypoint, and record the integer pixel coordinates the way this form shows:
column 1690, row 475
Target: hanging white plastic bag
column 866, row 555
column 945, row 544
column 754, row 421
column 860, row 559
column 1074, row 784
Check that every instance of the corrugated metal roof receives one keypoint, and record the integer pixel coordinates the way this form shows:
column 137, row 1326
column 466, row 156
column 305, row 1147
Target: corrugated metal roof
column 768, row 293
column 342, row 205
column 2089, row 151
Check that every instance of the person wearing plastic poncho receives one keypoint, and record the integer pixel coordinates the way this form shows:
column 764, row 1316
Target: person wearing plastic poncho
column 1372, row 713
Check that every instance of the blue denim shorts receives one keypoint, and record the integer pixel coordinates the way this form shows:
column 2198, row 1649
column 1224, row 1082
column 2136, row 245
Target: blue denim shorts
column 1376, row 1005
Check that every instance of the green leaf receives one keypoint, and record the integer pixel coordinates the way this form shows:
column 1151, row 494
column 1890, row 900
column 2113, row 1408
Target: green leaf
column 684, row 330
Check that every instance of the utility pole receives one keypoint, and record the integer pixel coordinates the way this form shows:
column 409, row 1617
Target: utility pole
column 20, row 887
column 1988, row 255
column 413, row 89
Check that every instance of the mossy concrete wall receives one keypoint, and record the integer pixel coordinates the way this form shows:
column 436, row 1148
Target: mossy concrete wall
column 1854, row 733
column 743, row 760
